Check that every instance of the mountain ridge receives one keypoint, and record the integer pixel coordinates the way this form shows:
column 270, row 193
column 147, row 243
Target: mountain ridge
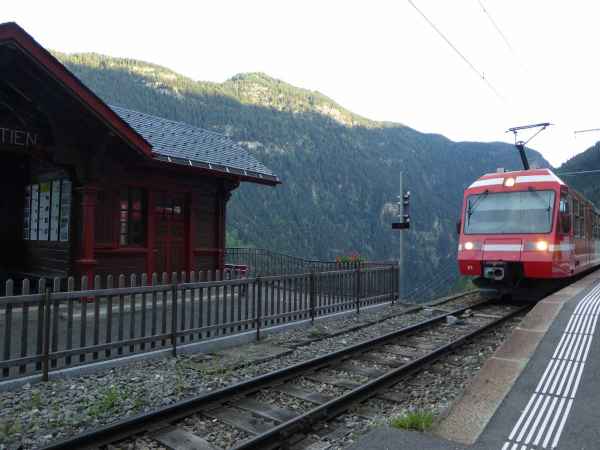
column 586, row 183
column 339, row 170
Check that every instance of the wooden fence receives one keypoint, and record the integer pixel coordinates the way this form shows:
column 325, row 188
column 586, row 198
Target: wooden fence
column 53, row 327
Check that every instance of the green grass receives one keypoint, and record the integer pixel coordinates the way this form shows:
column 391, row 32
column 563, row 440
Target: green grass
column 36, row 400
column 414, row 420
column 316, row 332
column 109, row 401
column 8, row 429
column 140, row 400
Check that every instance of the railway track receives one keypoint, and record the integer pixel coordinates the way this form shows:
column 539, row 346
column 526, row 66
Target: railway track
column 257, row 407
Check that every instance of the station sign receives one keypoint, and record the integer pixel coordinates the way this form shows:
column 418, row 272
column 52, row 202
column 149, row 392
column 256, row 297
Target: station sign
column 14, row 137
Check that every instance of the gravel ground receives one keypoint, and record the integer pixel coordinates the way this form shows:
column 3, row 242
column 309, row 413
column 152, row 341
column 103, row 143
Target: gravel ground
column 34, row 415
column 343, row 375
column 321, row 388
column 282, row 400
column 324, row 329
column 432, row 390
column 214, row 431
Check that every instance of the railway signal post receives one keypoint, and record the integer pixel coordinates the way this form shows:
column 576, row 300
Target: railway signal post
column 404, row 224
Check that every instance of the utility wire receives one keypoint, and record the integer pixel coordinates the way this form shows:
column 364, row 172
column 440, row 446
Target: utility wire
column 585, row 131
column 502, row 35
column 581, row 172
column 463, row 57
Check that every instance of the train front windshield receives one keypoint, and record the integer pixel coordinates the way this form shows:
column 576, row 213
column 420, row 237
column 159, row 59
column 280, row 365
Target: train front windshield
column 509, row 212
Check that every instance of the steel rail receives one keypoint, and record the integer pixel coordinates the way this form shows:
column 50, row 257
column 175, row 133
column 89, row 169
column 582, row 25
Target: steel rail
column 275, row 437
column 163, row 417
column 411, row 308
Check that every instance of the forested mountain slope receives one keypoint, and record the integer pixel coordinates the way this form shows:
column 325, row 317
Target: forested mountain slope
column 586, row 183
column 339, row 170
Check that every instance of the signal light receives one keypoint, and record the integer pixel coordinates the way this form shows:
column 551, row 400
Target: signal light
column 400, row 225
column 404, row 207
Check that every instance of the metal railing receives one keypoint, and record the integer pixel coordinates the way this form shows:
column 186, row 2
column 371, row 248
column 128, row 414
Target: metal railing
column 55, row 328
column 260, row 262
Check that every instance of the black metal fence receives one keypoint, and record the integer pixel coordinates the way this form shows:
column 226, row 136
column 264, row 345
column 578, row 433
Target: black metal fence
column 55, row 328
column 261, row 262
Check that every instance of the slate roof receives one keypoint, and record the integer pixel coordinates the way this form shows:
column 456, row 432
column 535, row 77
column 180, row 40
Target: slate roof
column 185, row 144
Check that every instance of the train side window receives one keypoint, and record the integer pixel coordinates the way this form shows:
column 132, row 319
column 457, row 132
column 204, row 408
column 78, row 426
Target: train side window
column 575, row 218
column 565, row 214
column 581, row 219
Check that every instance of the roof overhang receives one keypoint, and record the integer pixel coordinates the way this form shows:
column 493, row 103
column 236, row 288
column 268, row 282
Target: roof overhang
column 13, row 34
column 218, row 170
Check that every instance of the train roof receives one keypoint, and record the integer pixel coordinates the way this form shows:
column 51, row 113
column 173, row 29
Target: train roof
column 530, row 178
column 520, row 176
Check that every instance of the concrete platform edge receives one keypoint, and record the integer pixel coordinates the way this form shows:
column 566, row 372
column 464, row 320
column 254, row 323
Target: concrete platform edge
column 469, row 415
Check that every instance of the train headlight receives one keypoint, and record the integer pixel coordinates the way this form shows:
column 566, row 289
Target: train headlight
column 509, row 182
column 469, row 246
column 542, row 246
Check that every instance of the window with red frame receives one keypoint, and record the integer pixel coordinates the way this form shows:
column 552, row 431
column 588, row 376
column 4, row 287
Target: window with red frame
column 132, row 217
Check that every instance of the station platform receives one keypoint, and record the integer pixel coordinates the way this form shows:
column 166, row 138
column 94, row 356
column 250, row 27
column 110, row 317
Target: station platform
column 540, row 389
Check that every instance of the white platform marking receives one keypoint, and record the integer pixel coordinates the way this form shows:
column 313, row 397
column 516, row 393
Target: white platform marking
column 564, row 370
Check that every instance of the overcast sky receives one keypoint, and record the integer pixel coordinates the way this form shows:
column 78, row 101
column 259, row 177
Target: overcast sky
column 380, row 59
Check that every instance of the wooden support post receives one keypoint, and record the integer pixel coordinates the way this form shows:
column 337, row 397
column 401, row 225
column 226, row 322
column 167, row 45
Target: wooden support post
column 193, row 216
column 311, row 296
column 258, row 307
column 87, row 262
column 151, row 233
column 358, row 286
column 174, row 318
column 46, row 345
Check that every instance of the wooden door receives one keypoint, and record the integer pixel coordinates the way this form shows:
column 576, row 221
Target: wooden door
column 170, row 216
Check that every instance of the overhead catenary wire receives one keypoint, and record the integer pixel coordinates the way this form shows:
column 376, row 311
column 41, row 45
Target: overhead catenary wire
column 458, row 52
column 502, row 35
column 579, row 172
column 589, row 130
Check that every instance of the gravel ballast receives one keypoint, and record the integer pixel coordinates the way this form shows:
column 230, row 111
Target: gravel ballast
column 431, row 390
column 36, row 414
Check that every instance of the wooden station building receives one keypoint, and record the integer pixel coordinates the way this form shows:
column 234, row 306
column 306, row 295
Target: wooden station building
column 87, row 188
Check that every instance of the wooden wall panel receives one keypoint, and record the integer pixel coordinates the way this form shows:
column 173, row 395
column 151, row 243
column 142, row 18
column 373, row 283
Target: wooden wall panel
column 207, row 223
column 206, row 262
column 13, row 179
column 47, row 258
column 207, row 232
column 116, row 264
column 106, row 215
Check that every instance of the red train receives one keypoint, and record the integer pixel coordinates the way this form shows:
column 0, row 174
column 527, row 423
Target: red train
column 526, row 229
